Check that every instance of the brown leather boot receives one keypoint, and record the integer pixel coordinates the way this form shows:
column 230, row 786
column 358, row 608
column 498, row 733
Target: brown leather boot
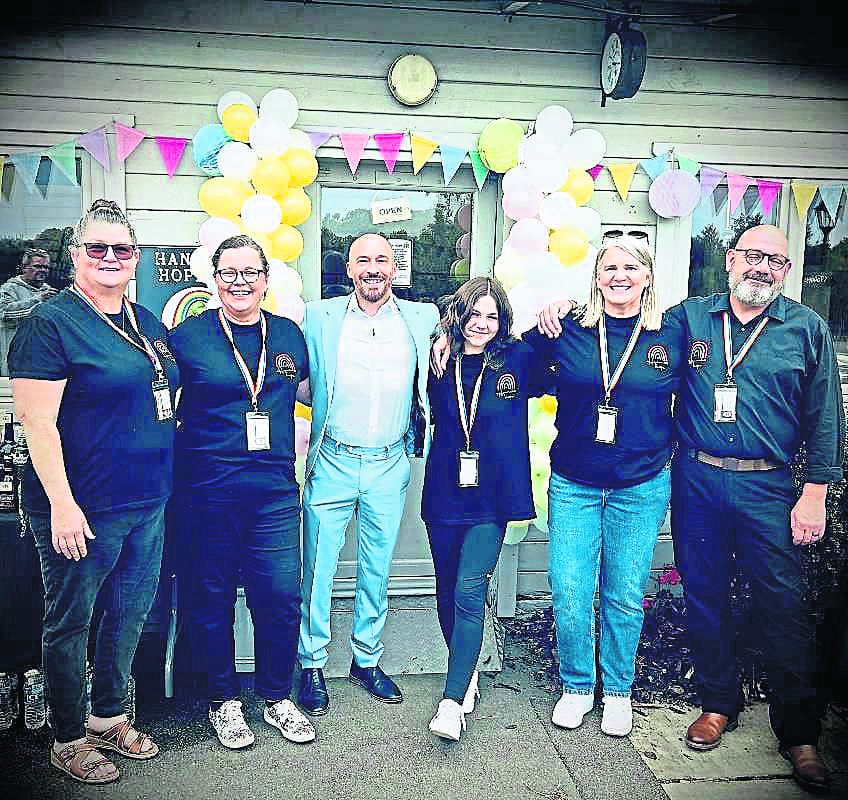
column 705, row 732
column 808, row 769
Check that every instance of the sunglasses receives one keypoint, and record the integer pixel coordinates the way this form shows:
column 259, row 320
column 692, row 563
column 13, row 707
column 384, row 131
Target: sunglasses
column 617, row 234
column 123, row 252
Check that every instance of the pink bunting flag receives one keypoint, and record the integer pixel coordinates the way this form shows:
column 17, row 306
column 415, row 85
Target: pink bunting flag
column 171, row 149
column 595, row 171
column 95, row 142
column 736, row 187
column 769, row 191
column 353, row 144
column 389, row 147
column 709, row 180
column 127, row 139
column 317, row 138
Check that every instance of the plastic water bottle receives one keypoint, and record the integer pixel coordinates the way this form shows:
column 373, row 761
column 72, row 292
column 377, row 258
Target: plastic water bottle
column 89, row 676
column 8, row 700
column 129, row 701
column 35, row 711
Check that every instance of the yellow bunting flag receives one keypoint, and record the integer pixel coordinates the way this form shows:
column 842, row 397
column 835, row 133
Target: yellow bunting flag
column 422, row 149
column 804, row 193
column 622, row 176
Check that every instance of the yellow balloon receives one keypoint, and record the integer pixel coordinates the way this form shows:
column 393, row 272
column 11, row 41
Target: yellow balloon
column 296, row 206
column 262, row 239
column 270, row 176
column 237, row 120
column 569, row 245
column 548, row 404
column 269, row 302
column 223, row 197
column 301, row 410
column 286, row 243
column 303, row 168
column 579, row 185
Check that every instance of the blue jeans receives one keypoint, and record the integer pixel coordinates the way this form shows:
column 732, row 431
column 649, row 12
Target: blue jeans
column 120, row 573
column 601, row 540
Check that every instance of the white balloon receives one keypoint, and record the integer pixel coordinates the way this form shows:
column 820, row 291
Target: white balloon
column 261, row 213
column 515, row 177
column 200, row 264
column 528, row 236
column 537, row 150
column 548, row 176
column 574, row 283
column 542, row 270
column 526, row 302
column 237, row 160
column 299, row 140
column 214, row 231
column 231, row 98
column 588, row 220
column 557, row 210
column 555, row 123
column 586, row 148
column 509, row 269
column 284, row 279
column 269, row 137
column 279, row 105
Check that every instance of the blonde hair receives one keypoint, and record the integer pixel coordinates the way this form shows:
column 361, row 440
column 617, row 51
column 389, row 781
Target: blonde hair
column 642, row 252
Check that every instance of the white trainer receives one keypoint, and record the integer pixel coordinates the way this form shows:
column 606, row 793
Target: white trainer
column 228, row 722
column 449, row 721
column 287, row 718
column 571, row 708
column 471, row 693
column 618, row 716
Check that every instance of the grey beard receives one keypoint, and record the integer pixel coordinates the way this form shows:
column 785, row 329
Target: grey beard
column 759, row 297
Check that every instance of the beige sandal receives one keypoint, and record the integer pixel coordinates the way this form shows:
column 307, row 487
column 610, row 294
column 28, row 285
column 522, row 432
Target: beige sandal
column 70, row 760
column 116, row 739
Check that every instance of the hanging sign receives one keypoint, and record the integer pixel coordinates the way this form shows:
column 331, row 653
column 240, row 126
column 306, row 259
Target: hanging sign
column 402, row 249
column 393, row 210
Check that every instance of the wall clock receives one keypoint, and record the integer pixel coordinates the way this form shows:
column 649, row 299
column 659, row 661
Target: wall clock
column 623, row 60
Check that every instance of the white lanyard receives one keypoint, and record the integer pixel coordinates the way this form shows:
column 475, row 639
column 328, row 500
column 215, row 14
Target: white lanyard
column 253, row 387
column 467, row 422
column 610, row 383
column 731, row 362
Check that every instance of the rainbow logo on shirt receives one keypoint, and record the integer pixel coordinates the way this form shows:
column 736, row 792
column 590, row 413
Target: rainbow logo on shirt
column 184, row 304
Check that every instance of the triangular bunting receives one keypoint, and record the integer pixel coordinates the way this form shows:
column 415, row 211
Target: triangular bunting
column 127, row 139
column 655, row 166
column 171, row 149
column 317, row 138
column 481, row 171
column 389, row 146
column 95, row 142
column 804, row 193
column 353, row 145
column 709, row 180
column 595, row 171
column 769, row 191
column 622, row 176
column 422, row 149
column 688, row 164
column 26, row 168
column 4, row 189
column 736, row 187
column 451, row 159
column 831, row 196
column 64, row 156
column 42, row 176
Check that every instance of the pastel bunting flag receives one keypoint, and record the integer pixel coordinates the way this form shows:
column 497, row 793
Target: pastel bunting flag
column 736, row 188
column 2, row 165
column 688, row 164
column 595, row 171
column 655, row 166
column 126, row 140
column 317, row 138
column 710, row 178
column 353, row 144
column 171, row 149
column 769, row 190
column 422, row 149
column 804, row 193
column 451, row 159
column 622, row 176
column 64, row 156
column 42, row 176
column 831, row 197
column 26, row 168
column 95, row 142
column 481, row 171
column 389, row 146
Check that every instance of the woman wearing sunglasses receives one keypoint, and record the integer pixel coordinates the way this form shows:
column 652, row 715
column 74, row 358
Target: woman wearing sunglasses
column 241, row 368
column 94, row 384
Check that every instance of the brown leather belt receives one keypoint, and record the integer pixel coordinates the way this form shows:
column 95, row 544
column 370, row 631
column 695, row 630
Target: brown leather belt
column 734, row 464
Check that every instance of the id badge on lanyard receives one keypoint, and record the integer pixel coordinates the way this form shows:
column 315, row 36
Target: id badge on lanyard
column 469, row 468
column 258, row 430
column 607, row 418
column 162, row 399
column 725, row 402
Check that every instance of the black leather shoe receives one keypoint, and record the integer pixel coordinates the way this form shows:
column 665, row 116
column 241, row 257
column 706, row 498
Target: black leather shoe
column 313, row 697
column 376, row 681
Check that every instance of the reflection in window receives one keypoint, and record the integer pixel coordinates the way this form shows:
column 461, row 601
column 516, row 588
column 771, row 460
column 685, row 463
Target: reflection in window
column 714, row 230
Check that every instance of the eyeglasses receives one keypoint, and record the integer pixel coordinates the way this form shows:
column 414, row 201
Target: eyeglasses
column 123, row 252
column 617, row 234
column 231, row 275
column 754, row 257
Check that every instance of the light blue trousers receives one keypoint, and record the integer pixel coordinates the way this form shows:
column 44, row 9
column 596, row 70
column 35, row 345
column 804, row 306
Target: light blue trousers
column 371, row 481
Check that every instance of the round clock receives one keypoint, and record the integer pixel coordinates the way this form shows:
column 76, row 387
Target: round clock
column 412, row 80
column 623, row 63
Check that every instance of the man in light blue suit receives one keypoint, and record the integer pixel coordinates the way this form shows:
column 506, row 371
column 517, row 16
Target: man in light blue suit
column 368, row 356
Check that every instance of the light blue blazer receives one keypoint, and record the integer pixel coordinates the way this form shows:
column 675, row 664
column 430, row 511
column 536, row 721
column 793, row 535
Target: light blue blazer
column 322, row 329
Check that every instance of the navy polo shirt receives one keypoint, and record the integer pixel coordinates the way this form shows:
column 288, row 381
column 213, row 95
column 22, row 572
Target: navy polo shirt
column 117, row 455
column 788, row 386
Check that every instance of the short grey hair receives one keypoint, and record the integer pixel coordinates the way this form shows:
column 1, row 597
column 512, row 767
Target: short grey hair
column 102, row 211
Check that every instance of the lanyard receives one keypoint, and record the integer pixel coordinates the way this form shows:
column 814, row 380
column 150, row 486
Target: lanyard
column 253, row 387
column 610, row 383
column 731, row 362
column 145, row 345
column 467, row 422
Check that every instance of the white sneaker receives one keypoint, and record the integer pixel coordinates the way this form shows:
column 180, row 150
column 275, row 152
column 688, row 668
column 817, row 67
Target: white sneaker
column 449, row 721
column 471, row 693
column 618, row 716
column 228, row 722
column 286, row 717
column 571, row 708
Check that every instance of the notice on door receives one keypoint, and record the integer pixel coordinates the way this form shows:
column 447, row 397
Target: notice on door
column 402, row 249
column 394, row 210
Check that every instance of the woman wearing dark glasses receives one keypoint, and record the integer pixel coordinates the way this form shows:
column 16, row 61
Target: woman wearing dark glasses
column 239, row 502
column 94, row 385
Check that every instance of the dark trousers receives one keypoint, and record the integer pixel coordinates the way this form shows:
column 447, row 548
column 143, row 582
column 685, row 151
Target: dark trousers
column 717, row 513
column 120, row 574
column 464, row 558
column 259, row 541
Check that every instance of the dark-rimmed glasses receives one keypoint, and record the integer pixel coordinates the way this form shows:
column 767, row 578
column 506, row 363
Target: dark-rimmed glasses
column 616, row 233
column 754, row 257
column 123, row 252
column 231, row 275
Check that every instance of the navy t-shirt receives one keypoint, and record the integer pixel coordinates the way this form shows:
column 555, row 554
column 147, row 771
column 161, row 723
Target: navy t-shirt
column 643, row 396
column 212, row 454
column 117, row 455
